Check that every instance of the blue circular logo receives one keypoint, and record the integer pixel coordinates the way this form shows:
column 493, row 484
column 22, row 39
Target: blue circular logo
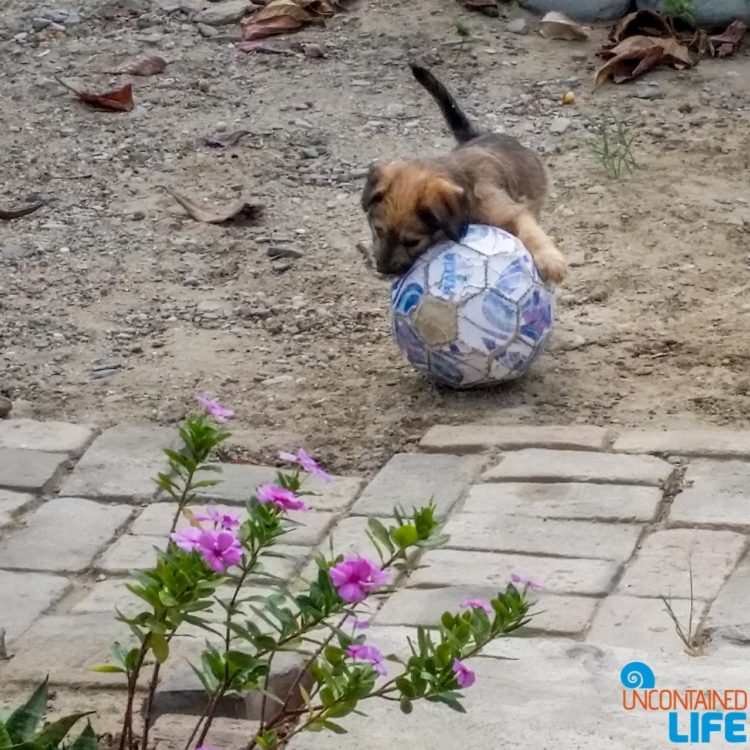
column 637, row 676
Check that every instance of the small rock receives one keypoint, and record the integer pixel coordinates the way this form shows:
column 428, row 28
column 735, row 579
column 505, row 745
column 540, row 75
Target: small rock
column 283, row 252
column 57, row 15
column 207, row 31
column 310, row 153
column 72, row 19
column 224, row 13
column 644, row 91
column 518, row 26
column 40, row 23
column 560, row 125
column 686, row 108
column 313, row 51
column 6, row 405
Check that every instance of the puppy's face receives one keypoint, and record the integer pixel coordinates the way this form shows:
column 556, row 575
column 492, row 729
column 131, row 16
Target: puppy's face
column 409, row 207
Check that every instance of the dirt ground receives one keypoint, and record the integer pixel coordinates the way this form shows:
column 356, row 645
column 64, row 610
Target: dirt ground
column 652, row 325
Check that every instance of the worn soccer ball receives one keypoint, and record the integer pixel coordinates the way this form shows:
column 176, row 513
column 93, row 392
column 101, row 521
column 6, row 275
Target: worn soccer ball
column 474, row 312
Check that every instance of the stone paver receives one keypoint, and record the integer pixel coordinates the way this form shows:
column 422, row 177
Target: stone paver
column 729, row 616
column 30, row 471
column 24, row 597
column 156, row 520
column 565, row 500
column 556, row 575
column 662, row 565
column 121, row 463
column 130, row 552
column 472, row 438
column 66, row 647
column 720, row 494
column 709, row 442
column 239, row 481
column 412, row 480
column 539, row 465
column 11, row 504
column 496, row 532
column 64, row 534
column 642, row 623
column 52, row 437
column 170, row 732
column 107, row 596
column 555, row 614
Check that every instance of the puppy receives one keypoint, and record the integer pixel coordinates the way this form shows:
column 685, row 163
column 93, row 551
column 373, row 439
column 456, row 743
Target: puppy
column 487, row 179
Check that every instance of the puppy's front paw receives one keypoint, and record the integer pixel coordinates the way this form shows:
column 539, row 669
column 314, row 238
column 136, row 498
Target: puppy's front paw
column 551, row 264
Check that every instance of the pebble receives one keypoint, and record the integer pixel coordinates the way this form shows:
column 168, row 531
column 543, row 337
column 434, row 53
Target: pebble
column 560, row 125
column 283, row 252
column 518, row 26
column 310, row 153
column 313, row 51
column 40, row 23
column 207, row 31
column 645, row 91
column 223, row 13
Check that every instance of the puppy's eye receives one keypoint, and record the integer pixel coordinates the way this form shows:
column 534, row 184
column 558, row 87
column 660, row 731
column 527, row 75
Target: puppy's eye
column 410, row 242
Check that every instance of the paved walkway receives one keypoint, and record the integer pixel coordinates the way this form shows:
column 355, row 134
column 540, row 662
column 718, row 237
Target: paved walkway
column 607, row 522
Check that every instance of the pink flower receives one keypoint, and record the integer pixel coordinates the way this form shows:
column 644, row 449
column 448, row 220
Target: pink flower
column 214, row 408
column 520, row 580
column 224, row 520
column 355, row 577
column 219, row 549
column 188, row 539
column 368, row 653
column 282, row 498
column 478, row 604
column 307, row 462
column 464, row 676
column 358, row 624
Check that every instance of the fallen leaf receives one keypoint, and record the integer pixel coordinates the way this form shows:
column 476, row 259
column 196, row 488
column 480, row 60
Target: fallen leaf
column 635, row 55
column 281, row 16
column 488, row 7
column 16, row 213
column 120, row 100
column 146, row 66
column 640, row 23
column 728, row 42
column 556, row 25
column 212, row 214
column 224, row 140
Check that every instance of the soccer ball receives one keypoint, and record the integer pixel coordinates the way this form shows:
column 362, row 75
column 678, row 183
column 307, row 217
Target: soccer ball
column 474, row 312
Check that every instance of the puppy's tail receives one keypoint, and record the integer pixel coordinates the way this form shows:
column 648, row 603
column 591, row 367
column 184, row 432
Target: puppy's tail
column 459, row 123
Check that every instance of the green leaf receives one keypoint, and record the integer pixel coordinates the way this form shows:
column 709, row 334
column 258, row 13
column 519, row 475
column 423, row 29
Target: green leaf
column 406, row 706
column 405, row 536
column 87, row 740
column 334, row 655
column 53, row 734
column 160, row 647
column 344, row 708
column 22, row 723
column 380, row 533
column 5, row 740
column 321, row 724
column 107, row 668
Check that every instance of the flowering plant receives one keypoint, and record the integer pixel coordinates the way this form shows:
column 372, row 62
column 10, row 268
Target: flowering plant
column 212, row 561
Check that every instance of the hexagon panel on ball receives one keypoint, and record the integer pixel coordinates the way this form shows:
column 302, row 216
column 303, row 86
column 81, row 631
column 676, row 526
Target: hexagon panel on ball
column 475, row 312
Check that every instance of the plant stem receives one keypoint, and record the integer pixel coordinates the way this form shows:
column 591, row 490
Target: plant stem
column 149, row 703
column 181, row 502
column 126, row 736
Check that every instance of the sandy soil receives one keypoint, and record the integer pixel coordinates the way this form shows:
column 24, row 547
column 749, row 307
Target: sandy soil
column 652, row 326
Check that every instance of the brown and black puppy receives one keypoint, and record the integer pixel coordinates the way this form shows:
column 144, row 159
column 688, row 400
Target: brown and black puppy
column 488, row 179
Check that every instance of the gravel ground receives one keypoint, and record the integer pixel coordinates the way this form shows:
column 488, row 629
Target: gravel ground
column 115, row 306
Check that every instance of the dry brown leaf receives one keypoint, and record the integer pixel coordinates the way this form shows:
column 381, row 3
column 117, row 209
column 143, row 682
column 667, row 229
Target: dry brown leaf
column 282, row 16
column 120, row 100
column 16, row 213
column 635, row 55
column 488, row 7
column 640, row 23
column 224, row 140
column 557, row 25
column 213, row 214
column 728, row 42
column 146, row 66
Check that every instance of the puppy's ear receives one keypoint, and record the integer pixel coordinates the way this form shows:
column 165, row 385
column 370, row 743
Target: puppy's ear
column 374, row 190
column 444, row 206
